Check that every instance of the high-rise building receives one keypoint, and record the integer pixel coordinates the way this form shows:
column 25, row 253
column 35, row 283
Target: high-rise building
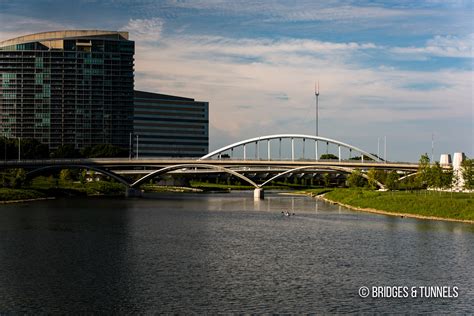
column 68, row 88
column 170, row 126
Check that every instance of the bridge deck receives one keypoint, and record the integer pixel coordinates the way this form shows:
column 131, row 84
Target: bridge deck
column 124, row 162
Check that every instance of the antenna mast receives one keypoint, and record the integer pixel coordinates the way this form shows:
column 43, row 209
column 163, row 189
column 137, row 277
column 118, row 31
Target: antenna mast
column 316, row 93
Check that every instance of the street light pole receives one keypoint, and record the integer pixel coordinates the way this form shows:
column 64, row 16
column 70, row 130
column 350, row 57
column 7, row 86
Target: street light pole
column 378, row 147
column 137, row 148
column 19, row 148
column 130, row 148
column 316, row 93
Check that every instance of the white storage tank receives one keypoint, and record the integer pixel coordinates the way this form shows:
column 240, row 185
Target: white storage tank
column 445, row 160
column 457, row 160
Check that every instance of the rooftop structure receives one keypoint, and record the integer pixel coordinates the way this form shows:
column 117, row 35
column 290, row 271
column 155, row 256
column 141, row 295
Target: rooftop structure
column 71, row 87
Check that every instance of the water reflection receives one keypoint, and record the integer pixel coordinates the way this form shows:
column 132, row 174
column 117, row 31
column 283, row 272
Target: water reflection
column 196, row 253
column 64, row 258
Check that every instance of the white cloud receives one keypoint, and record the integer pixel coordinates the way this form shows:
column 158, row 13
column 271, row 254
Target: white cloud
column 442, row 46
column 296, row 11
column 15, row 25
column 145, row 29
column 243, row 79
column 345, row 13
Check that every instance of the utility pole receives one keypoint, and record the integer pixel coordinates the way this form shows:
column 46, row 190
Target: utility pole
column 130, row 148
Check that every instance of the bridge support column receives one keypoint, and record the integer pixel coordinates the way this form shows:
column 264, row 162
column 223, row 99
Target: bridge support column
column 131, row 192
column 258, row 194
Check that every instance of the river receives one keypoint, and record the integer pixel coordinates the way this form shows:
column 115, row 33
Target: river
column 210, row 253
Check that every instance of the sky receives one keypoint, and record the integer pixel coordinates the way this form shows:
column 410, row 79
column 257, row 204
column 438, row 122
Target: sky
column 396, row 69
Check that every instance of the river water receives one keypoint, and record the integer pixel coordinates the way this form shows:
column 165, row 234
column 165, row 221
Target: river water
column 209, row 253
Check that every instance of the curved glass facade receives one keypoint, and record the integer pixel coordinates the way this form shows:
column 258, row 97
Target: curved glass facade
column 68, row 88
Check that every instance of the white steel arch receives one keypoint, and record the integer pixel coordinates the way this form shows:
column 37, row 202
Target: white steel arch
column 290, row 136
column 89, row 167
column 408, row 176
column 343, row 169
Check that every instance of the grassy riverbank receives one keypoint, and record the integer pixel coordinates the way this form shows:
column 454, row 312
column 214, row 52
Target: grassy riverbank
column 43, row 187
column 7, row 194
column 458, row 206
column 167, row 189
column 53, row 187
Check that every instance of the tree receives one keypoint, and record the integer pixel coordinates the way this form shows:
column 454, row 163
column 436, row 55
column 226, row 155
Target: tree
column 447, row 179
column 326, row 179
column 32, row 149
column 424, row 172
column 18, row 177
column 372, row 181
column 104, row 151
column 8, row 148
column 66, row 151
column 468, row 173
column 83, row 176
column 65, row 175
column 5, row 180
column 92, row 175
column 435, row 176
column 391, row 182
column 329, row 156
column 360, row 157
column 355, row 179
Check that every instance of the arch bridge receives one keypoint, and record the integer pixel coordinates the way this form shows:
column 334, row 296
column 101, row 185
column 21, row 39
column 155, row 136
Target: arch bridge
column 303, row 149
column 303, row 139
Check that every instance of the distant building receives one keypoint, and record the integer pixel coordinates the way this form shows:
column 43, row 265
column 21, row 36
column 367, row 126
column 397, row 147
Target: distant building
column 170, row 126
column 77, row 88
column 68, row 88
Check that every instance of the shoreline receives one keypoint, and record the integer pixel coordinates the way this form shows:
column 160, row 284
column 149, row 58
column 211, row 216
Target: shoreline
column 27, row 200
column 381, row 212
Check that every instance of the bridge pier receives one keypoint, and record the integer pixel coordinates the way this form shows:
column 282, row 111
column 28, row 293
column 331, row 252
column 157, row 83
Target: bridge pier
column 131, row 192
column 258, row 194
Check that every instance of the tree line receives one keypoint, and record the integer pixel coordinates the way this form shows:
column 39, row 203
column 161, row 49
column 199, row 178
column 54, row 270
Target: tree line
column 30, row 148
column 428, row 176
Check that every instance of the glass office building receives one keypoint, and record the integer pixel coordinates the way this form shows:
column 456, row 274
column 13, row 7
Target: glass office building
column 68, row 88
column 170, row 126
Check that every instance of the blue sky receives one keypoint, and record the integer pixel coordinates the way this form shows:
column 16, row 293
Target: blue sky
column 400, row 69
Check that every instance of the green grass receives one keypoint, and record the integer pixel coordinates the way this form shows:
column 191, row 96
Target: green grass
column 104, row 188
column 70, row 188
column 218, row 186
column 314, row 192
column 425, row 203
column 41, row 187
column 163, row 188
column 7, row 194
